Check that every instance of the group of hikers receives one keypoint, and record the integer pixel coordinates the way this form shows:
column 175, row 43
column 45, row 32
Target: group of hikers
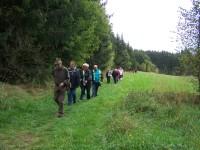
column 69, row 79
column 116, row 74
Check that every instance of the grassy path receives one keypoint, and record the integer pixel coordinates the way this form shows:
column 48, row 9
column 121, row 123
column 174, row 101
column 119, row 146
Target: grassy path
column 31, row 124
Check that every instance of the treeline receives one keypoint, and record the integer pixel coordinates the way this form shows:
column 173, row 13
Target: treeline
column 130, row 59
column 148, row 61
column 34, row 32
column 167, row 63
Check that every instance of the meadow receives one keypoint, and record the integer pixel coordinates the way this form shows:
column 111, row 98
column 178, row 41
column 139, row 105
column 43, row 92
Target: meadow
column 143, row 111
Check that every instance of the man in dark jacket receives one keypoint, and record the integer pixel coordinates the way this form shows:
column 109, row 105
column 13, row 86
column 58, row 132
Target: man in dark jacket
column 75, row 81
column 61, row 79
column 85, row 78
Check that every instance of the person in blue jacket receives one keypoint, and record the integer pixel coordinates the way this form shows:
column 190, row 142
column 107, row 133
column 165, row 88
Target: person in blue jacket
column 96, row 80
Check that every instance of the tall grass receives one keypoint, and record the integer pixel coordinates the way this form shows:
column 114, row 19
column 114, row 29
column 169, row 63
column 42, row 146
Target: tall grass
column 160, row 120
column 143, row 111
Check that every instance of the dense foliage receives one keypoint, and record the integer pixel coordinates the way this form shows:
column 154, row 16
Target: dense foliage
column 34, row 32
column 166, row 62
column 130, row 59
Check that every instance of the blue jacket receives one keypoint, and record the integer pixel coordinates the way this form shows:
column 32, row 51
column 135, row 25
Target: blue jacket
column 96, row 75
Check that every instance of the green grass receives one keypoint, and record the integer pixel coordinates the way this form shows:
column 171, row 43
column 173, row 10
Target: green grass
column 143, row 111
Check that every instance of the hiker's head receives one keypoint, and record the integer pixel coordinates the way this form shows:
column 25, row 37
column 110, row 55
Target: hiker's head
column 85, row 66
column 58, row 63
column 72, row 64
column 95, row 67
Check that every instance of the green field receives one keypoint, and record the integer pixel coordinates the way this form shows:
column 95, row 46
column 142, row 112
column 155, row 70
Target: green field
column 143, row 111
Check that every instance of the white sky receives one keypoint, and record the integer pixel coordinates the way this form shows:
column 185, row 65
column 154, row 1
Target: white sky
column 146, row 24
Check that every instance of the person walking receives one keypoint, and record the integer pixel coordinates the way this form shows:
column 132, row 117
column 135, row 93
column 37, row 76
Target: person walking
column 121, row 73
column 96, row 77
column 108, row 75
column 115, row 75
column 85, row 81
column 74, row 81
column 62, row 83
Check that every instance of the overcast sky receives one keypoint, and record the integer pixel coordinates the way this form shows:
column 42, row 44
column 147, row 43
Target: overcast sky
column 146, row 24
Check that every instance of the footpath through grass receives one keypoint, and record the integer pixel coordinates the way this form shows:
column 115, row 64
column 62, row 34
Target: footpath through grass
column 143, row 111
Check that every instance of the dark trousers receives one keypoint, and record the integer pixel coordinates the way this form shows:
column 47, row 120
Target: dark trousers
column 95, row 87
column 115, row 79
column 108, row 79
column 83, row 89
column 59, row 99
column 71, row 96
